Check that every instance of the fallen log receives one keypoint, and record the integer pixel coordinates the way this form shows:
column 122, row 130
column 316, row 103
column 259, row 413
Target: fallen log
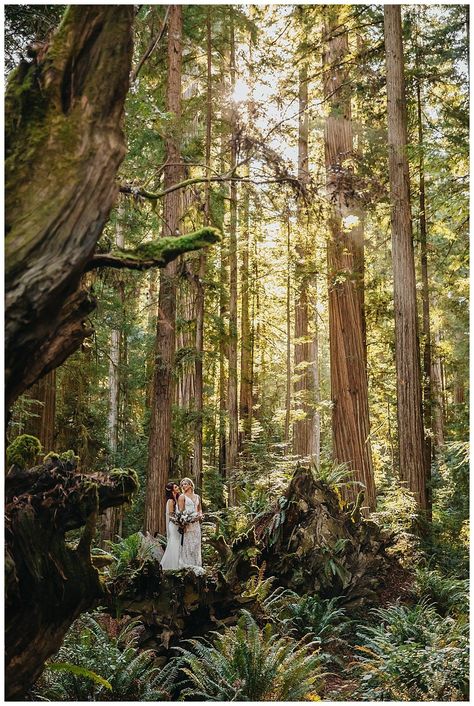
column 50, row 581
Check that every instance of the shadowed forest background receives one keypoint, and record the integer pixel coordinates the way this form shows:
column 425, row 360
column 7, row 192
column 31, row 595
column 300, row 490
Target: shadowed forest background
column 237, row 250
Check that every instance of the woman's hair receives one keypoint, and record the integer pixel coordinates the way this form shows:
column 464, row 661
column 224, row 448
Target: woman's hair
column 169, row 491
column 187, row 480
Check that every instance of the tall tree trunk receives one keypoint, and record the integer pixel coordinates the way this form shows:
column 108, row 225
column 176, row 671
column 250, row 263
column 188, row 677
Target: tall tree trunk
column 159, row 446
column 232, row 451
column 410, row 424
column 288, row 331
column 200, row 293
column 425, row 293
column 42, row 424
column 437, row 396
column 245, row 328
column 349, row 390
column 110, row 516
column 303, row 428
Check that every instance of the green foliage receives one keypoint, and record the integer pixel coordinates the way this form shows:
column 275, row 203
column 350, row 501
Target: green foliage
column 129, row 554
column 247, row 663
column 104, row 667
column 23, row 451
column 213, row 488
column 66, row 456
column 322, row 619
column 413, row 654
column 447, row 594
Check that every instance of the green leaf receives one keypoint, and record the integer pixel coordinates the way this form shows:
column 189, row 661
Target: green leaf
column 79, row 672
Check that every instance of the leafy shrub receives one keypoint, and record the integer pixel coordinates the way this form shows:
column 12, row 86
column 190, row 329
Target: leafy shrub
column 413, row 654
column 92, row 665
column 246, row 663
column 130, row 553
column 447, row 594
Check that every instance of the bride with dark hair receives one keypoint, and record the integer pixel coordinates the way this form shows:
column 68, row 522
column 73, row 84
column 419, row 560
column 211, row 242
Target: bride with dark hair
column 171, row 556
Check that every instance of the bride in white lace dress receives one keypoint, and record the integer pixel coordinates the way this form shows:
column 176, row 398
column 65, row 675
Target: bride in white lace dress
column 191, row 547
column 170, row 559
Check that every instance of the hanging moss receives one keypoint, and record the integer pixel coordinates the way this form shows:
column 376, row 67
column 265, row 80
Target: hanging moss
column 23, row 451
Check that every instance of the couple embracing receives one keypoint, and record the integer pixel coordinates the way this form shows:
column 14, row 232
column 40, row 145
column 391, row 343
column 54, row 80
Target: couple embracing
column 183, row 528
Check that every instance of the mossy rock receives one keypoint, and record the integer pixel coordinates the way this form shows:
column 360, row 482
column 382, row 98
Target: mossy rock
column 23, row 451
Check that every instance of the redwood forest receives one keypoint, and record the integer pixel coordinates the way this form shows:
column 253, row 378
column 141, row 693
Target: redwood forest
column 236, row 352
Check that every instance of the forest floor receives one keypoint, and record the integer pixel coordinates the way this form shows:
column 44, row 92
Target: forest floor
column 339, row 684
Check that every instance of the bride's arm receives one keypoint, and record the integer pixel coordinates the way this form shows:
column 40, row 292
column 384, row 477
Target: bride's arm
column 199, row 508
column 181, row 502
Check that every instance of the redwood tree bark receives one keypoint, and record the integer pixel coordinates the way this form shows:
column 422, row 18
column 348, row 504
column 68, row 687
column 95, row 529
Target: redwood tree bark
column 304, row 437
column 349, row 390
column 407, row 357
column 159, row 445
column 64, row 144
column 42, row 425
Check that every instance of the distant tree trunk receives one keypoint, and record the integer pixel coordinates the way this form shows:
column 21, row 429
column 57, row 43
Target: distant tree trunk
column 349, row 389
column 151, row 328
column 288, row 332
column 232, row 451
column 64, row 144
column 200, row 293
column 425, row 293
column 314, row 356
column 437, row 396
column 42, row 425
column 303, row 428
column 159, row 446
column 246, row 399
column 410, row 424
column 110, row 516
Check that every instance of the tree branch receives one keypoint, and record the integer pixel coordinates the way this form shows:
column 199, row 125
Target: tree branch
column 157, row 253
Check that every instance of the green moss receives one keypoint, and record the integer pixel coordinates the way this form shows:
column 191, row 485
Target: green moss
column 23, row 451
column 66, row 456
column 118, row 474
column 161, row 250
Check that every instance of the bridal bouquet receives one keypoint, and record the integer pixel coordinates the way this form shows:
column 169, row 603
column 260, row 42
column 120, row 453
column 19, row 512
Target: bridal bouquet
column 183, row 518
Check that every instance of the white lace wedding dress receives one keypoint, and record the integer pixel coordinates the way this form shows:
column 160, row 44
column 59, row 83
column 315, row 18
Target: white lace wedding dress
column 171, row 556
column 191, row 548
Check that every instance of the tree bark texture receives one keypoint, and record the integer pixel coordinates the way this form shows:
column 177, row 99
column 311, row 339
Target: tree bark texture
column 64, row 144
column 410, row 424
column 47, row 583
column 303, row 427
column 159, row 447
column 349, row 389
column 44, row 409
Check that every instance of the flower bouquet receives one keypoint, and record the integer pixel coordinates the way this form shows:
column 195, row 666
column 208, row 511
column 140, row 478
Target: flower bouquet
column 183, row 518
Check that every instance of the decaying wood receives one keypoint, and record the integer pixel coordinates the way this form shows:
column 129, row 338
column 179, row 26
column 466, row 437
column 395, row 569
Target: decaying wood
column 48, row 582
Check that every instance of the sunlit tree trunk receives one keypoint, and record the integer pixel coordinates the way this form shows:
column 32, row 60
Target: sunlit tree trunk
column 304, row 424
column 437, row 395
column 288, row 331
column 200, row 293
column 425, row 294
column 159, row 446
column 349, row 390
column 410, row 424
column 232, row 451
column 246, row 331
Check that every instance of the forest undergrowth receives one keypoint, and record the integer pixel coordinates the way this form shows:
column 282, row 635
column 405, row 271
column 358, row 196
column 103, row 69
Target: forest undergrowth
column 409, row 644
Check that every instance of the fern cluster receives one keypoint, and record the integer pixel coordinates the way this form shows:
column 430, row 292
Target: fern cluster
column 413, row 654
column 92, row 665
column 247, row 663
